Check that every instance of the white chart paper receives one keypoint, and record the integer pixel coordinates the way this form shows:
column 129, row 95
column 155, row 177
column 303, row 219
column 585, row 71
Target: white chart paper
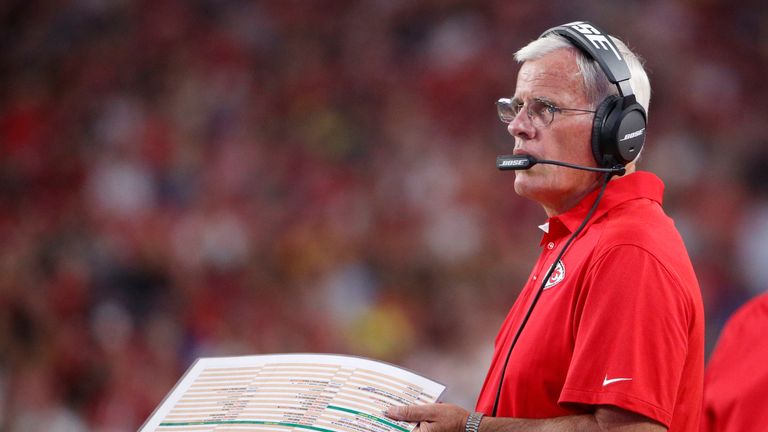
column 298, row 392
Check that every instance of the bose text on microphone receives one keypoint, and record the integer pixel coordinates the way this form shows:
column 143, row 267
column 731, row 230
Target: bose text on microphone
column 515, row 162
column 524, row 162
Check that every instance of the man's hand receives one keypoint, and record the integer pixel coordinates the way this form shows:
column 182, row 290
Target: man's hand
column 452, row 418
column 432, row 417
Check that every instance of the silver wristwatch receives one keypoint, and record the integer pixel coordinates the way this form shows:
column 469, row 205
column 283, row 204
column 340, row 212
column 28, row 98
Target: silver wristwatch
column 473, row 422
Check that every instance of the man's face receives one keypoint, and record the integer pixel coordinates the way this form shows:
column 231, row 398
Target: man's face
column 555, row 78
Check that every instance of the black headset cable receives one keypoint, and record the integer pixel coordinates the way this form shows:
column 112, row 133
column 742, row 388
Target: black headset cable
column 543, row 284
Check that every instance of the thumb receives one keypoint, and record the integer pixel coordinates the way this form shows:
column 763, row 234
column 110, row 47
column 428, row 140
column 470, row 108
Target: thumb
column 411, row 413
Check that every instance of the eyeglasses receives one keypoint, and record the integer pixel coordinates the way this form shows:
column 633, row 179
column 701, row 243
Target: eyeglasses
column 539, row 111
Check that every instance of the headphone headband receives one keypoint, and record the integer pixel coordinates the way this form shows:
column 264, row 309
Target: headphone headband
column 598, row 45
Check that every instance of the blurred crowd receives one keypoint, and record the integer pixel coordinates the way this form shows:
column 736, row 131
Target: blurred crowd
column 187, row 178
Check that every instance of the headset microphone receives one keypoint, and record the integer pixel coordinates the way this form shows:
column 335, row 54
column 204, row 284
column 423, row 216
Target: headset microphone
column 524, row 162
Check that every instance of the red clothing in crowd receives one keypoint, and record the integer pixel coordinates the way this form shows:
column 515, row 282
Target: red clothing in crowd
column 736, row 380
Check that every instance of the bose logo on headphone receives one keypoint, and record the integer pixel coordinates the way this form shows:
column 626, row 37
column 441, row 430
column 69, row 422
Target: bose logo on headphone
column 634, row 134
column 599, row 40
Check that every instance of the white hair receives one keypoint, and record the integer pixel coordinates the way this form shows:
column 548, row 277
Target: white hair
column 596, row 84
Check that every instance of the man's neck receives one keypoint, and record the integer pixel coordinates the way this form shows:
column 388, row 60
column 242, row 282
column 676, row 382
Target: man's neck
column 563, row 206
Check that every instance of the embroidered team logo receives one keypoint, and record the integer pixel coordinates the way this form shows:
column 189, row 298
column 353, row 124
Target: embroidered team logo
column 558, row 274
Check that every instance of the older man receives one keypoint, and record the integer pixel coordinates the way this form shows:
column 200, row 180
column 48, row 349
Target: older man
column 607, row 333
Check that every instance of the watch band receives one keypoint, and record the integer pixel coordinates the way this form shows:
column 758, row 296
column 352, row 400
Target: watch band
column 473, row 422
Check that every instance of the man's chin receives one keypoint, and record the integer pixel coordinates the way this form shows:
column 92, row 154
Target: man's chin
column 523, row 186
column 528, row 187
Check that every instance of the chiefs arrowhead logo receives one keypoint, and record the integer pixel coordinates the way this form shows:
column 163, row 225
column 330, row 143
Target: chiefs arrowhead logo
column 558, row 274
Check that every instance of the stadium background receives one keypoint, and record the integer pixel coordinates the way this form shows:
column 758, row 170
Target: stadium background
column 192, row 178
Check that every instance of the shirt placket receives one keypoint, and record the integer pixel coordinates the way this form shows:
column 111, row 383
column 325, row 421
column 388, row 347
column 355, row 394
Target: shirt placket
column 548, row 253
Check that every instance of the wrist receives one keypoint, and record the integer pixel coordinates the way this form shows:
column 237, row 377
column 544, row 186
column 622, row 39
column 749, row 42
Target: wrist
column 473, row 422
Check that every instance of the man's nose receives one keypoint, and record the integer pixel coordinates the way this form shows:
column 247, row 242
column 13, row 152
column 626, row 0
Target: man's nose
column 521, row 126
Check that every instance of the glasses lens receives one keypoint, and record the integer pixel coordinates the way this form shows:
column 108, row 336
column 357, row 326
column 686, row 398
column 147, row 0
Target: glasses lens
column 540, row 112
column 506, row 110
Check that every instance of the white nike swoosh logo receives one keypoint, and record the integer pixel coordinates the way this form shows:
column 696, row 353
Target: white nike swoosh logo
column 607, row 381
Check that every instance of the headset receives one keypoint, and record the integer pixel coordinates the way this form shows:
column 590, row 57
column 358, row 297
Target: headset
column 618, row 130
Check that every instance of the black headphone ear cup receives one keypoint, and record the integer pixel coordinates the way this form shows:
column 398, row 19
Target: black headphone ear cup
column 599, row 147
column 628, row 134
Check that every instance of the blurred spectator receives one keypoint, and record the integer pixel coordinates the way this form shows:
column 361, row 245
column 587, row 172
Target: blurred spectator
column 734, row 397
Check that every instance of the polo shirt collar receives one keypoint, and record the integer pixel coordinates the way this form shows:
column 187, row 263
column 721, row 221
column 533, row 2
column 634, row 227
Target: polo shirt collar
column 640, row 184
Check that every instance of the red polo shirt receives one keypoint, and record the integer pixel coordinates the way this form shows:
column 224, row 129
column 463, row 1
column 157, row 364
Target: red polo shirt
column 620, row 323
column 736, row 380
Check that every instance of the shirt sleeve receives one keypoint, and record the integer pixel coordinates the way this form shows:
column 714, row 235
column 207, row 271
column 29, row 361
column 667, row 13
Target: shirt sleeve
column 630, row 335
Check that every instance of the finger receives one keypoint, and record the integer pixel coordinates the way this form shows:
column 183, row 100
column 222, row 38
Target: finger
column 404, row 413
column 409, row 413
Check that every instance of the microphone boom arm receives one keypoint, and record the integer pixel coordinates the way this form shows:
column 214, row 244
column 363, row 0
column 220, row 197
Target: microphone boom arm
column 524, row 162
